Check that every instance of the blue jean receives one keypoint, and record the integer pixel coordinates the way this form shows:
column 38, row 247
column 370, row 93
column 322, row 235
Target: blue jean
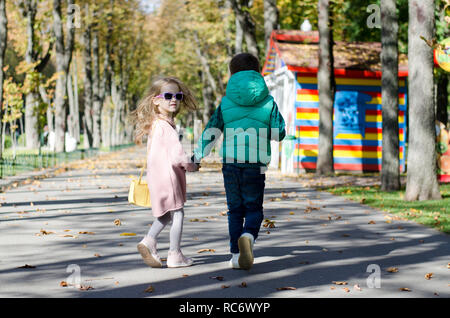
column 244, row 189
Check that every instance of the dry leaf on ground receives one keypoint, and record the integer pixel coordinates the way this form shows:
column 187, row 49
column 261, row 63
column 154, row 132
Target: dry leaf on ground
column 339, row 283
column 206, row 250
column 405, row 289
column 286, row 288
column 149, row 289
column 27, row 266
column 392, row 269
column 428, row 276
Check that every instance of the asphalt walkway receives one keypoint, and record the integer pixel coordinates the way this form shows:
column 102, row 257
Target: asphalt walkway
column 76, row 227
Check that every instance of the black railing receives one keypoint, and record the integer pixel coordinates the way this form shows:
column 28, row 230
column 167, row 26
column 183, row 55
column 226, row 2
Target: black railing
column 10, row 166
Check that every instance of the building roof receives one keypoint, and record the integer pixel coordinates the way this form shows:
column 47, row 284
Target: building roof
column 299, row 52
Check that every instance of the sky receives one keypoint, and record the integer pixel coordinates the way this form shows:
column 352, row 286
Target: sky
column 150, row 5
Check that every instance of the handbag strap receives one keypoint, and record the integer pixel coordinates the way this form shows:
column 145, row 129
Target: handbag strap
column 142, row 171
column 144, row 166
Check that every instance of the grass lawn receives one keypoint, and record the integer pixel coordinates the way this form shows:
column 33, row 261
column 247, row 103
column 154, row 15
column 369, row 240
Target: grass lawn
column 433, row 213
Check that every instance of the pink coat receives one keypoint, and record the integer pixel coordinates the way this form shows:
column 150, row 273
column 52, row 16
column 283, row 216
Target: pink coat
column 166, row 168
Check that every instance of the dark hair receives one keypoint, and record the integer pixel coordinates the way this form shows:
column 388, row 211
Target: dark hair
column 244, row 62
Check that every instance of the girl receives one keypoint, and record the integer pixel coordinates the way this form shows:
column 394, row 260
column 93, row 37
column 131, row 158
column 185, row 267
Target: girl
column 166, row 165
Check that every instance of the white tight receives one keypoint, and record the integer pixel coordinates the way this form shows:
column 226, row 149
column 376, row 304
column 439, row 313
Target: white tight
column 175, row 230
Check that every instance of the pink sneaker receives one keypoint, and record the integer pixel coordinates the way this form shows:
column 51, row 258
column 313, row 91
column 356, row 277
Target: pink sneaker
column 177, row 259
column 147, row 249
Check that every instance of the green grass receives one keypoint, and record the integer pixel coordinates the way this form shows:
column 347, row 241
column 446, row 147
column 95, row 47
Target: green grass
column 432, row 213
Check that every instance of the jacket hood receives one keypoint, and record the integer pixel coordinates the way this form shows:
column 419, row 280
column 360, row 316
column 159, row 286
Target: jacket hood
column 247, row 88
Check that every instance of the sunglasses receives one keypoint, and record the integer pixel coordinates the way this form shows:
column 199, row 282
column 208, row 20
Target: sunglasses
column 169, row 96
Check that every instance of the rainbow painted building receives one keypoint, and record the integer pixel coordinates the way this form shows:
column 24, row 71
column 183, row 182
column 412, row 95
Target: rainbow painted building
column 290, row 71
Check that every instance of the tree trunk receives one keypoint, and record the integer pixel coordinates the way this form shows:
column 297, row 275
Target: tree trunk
column 88, row 83
column 245, row 23
column 421, row 183
column 29, row 11
column 225, row 10
column 390, row 167
column 97, row 99
column 72, row 90
column 3, row 43
column 63, row 58
column 271, row 16
column 208, row 99
column 76, row 102
column 326, row 87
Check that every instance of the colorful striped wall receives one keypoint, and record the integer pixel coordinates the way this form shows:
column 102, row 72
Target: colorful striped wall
column 357, row 136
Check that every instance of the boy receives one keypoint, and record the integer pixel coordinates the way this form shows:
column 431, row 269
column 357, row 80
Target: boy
column 249, row 118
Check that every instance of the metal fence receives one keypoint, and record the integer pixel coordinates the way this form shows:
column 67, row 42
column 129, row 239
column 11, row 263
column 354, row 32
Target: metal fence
column 10, row 166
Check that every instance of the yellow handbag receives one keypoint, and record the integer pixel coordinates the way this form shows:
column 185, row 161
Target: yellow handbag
column 139, row 194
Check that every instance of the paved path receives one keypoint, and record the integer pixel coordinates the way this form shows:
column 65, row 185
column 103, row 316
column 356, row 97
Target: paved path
column 64, row 227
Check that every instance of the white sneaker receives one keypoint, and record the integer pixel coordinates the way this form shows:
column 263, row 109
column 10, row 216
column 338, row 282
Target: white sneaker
column 245, row 244
column 234, row 261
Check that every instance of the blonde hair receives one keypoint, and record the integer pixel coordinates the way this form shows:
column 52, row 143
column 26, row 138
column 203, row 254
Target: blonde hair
column 146, row 111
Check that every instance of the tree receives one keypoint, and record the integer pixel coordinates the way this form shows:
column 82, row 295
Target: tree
column 64, row 48
column 326, row 87
column 390, row 167
column 28, row 9
column 421, row 183
column 88, row 91
column 3, row 43
column 244, row 26
column 271, row 17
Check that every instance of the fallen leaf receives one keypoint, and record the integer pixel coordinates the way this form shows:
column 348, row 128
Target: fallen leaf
column 219, row 278
column 197, row 220
column 405, row 289
column 97, row 255
column 346, row 289
column 149, row 289
column 84, row 287
column 86, row 232
column 428, row 276
column 127, row 234
column 392, row 269
column 286, row 288
column 206, row 250
column 269, row 223
column 372, row 222
column 357, row 287
column 117, row 222
column 44, row 232
column 27, row 266
column 339, row 283
column 243, row 285
column 63, row 284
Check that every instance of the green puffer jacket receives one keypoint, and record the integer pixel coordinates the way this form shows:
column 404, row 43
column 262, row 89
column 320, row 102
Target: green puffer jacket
column 246, row 110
